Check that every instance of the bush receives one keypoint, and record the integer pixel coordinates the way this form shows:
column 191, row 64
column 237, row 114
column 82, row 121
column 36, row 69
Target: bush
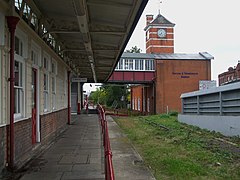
column 173, row 113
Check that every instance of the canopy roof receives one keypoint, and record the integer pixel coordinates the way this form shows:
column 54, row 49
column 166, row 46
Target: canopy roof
column 94, row 33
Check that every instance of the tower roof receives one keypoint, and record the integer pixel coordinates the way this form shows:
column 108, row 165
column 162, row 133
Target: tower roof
column 160, row 20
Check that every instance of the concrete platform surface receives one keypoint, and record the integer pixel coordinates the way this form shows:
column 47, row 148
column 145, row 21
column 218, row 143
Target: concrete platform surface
column 127, row 163
column 78, row 154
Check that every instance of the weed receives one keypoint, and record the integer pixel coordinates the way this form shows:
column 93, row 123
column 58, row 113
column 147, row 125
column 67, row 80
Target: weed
column 183, row 151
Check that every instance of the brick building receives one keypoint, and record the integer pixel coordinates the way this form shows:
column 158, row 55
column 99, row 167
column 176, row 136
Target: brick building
column 175, row 73
column 230, row 76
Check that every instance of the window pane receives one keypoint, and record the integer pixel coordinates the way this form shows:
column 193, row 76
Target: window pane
column 130, row 64
column 18, row 74
column 53, row 84
column 18, row 100
column 121, row 64
column 45, row 100
column 53, row 68
column 17, row 51
column 45, row 82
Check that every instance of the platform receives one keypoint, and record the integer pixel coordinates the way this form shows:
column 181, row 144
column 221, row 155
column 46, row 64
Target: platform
column 78, row 154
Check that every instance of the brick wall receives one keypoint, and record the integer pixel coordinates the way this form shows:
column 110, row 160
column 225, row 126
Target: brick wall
column 52, row 124
column 2, row 147
column 160, row 45
column 175, row 77
column 137, row 93
column 136, row 96
column 22, row 140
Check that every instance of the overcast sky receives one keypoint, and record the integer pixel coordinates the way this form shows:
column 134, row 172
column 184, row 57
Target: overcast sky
column 201, row 25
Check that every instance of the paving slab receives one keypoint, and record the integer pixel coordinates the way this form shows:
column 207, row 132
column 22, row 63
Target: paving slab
column 127, row 163
column 76, row 154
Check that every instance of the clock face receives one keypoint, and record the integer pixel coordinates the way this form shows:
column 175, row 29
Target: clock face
column 162, row 33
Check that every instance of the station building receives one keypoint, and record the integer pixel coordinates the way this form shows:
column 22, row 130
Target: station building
column 230, row 76
column 174, row 73
column 43, row 45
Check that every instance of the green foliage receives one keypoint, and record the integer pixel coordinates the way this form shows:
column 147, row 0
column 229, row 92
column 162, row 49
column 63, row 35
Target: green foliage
column 134, row 49
column 173, row 113
column 98, row 96
column 107, row 94
column 183, row 151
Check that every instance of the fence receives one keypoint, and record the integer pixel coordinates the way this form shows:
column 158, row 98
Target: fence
column 215, row 109
column 224, row 100
column 109, row 172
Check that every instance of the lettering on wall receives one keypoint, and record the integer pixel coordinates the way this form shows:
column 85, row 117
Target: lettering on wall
column 185, row 74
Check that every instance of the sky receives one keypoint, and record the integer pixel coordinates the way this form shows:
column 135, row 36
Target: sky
column 211, row 26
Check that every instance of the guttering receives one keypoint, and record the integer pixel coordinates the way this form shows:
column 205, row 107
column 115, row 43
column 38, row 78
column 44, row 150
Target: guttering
column 12, row 23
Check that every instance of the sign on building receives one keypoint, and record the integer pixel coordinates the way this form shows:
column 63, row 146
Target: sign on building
column 203, row 85
column 79, row 79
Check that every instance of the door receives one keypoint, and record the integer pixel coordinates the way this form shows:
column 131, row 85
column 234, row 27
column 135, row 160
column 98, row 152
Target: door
column 34, row 104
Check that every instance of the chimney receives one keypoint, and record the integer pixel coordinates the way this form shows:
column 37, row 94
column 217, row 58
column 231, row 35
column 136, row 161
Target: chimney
column 149, row 18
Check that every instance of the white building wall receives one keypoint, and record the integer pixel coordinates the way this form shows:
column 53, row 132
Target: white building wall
column 29, row 37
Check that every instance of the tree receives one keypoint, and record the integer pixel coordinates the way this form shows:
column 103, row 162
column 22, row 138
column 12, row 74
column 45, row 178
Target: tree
column 109, row 94
column 98, row 96
column 134, row 49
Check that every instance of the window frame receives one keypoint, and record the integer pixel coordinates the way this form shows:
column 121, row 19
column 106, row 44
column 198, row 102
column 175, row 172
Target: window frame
column 21, row 87
column 20, row 58
column 46, row 72
column 54, row 83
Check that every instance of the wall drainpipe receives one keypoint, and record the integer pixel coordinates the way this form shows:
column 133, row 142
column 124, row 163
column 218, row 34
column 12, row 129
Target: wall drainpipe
column 69, row 107
column 12, row 23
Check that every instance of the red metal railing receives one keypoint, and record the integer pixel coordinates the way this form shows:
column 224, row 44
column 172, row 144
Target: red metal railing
column 109, row 172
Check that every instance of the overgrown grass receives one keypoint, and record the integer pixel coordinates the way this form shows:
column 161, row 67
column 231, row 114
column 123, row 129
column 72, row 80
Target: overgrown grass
column 177, row 151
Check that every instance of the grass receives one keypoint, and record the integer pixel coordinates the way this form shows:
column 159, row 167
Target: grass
column 178, row 151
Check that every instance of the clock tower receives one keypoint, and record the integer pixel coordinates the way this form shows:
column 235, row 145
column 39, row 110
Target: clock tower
column 159, row 35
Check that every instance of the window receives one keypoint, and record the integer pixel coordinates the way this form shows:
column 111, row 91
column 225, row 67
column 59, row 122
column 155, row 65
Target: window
column 34, row 19
column 34, row 57
column 18, row 4
column 149, row 64
column 19, row 80
column 132, row 103
column 46, row 61
column 128, row 65
column 139, row 106
column 18, row 46
column 138, row 64
column 135, row 103
column 18, row 89
column 46, row 91
column 54, row 77
column 53, row 92
column 120, row 65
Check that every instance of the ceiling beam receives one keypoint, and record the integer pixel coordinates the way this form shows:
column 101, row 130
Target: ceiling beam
column 108, row 32
column 108, row 3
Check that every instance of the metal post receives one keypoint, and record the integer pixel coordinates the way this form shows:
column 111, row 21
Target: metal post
column 79, row 99
column 69, row 107
column 12, row 23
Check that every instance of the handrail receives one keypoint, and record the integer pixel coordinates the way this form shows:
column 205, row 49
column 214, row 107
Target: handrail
column 109, row 172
